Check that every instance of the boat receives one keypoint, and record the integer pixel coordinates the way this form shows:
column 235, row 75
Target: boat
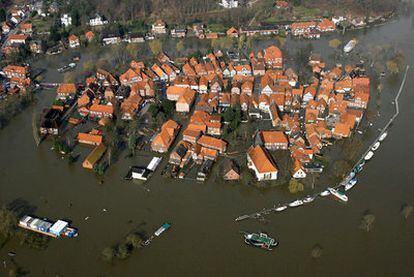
column 163, row 228
column 369, row 156
column 350, row 184
column 338, row 194
column 376, row 146
column 242, row 217
column 66, row 67
column 358, row 168
column 261, row 240
column 324, row 193
column 308, row 199
column 296, row 203
column 383, row 136
column 350, row 46
column 281, row 208
column 56, row 229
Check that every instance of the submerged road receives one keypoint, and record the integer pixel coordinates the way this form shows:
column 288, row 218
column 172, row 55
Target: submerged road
column 266, row 211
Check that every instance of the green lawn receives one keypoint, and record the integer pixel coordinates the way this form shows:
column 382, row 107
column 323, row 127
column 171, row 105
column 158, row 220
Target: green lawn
column 41, row 24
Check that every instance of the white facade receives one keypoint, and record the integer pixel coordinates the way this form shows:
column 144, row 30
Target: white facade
column 261, row 176
column 66, row 20
column 229, row 4
column 111, row 40
column 98, row 21
column 300, row 174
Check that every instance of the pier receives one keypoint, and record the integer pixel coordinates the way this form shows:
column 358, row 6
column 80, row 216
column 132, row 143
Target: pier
column 260, row 214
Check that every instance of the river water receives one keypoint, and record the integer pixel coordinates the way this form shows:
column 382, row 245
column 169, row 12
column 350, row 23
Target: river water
column 204, row 239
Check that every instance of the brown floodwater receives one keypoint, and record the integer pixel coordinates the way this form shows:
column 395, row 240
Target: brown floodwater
column 204, row 239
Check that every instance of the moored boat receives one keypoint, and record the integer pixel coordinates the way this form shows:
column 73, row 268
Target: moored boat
column 308, row 199
column 338, row 194
column 350, row 184
column 261, row 240
column 296, row 203
column 242, row 217
column 376, row 146
column 163, row 228
column 369, row 156
column 281, row 208
column 383, row 136
column 350, row 46
column 324, row 193
column 56, row 229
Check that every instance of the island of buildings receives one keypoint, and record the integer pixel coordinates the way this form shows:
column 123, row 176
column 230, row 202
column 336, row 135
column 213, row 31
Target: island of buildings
column 299, row 118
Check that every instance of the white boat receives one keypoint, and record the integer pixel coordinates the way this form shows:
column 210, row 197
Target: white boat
column 369, row 156
column 383, row 136
column 376, row 146
column 338, row 194
column 281, row 208
column 350, row 184
column 296, row 203
column 308, row 199
column 324, row 193
column 350, row 46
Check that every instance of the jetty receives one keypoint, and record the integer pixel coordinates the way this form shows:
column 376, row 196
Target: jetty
column 355, row 169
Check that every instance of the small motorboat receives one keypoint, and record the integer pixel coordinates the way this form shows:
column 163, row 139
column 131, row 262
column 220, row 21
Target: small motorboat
column 281, row 208
column 383, row 136
column 296, row 203
column 261, row 240
column 376, row 146
column 308, row 199
column 163, row 228
column 369, row 156
column 324, row 193
column 350, row 184
column 338, row 194
column 242, row 217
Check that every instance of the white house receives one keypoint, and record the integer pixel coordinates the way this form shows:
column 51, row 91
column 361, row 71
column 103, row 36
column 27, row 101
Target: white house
column 260, row 161
column 66, row 20
column 98, row 21
column 298, row 170
column 111, row 39
column 229, row 4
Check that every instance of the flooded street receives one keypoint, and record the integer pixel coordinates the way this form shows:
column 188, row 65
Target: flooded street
column 204, row 239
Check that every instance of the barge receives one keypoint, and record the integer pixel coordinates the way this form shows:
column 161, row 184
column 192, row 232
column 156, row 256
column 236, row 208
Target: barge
column 56, row 229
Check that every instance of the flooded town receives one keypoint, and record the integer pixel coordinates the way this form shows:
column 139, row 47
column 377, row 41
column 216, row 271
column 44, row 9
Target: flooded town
column 123, row 145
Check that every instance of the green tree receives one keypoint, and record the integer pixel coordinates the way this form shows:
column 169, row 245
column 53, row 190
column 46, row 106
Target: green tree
column 241, row 42
column 75, row 17
column 3, row 15
column 134, row 240
column 295, row 186
column 316, row 251
column 335, row 43
column 180, row 46
column 108, row 254
column 168, row 107
column 406, row 211
column 8, row 223
column 155, row 46
column 122, row 251
column 367, row 221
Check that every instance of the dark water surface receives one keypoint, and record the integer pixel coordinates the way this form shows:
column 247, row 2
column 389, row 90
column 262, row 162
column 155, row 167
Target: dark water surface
column 204, row 239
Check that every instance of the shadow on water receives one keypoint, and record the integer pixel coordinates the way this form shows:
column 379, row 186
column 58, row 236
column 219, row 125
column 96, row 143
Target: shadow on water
column 21, row 207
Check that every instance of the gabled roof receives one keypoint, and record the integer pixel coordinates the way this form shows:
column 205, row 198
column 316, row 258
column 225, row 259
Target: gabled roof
column 261, row 159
